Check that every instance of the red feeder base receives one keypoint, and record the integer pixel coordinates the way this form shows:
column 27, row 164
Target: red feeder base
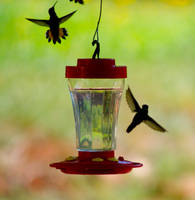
column 96, row 163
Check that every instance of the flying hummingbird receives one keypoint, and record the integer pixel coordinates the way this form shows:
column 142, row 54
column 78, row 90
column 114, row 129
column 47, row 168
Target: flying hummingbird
column 141, row 114
column 80, row 1
column 55, row 32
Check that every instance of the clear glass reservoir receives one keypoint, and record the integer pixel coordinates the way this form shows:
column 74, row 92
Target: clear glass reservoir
column 96, row 103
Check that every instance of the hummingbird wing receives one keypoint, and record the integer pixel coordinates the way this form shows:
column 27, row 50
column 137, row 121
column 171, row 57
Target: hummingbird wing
column 153, row 124
column 66, row 17
column 133, row 104
column 39, row 22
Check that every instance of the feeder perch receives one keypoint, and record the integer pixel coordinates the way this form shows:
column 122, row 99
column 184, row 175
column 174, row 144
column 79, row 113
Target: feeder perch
column 96, row 87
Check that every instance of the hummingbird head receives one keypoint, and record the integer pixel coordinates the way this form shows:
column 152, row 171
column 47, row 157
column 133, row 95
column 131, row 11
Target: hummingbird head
column 145, row 107
column 52, row 9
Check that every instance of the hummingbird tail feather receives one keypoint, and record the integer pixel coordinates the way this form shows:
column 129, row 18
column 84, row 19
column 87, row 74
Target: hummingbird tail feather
column 49, row 35
column 131, row 127
column 63, row 33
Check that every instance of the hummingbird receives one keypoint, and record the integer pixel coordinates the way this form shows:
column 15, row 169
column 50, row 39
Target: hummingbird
column 80, row 1
column 55, row 32
column 141, row 114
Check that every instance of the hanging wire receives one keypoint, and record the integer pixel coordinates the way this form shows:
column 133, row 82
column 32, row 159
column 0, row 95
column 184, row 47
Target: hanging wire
column 96, row 36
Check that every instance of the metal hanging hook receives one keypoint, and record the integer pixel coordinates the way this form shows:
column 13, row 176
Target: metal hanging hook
column 96, row 36
column 97, row 50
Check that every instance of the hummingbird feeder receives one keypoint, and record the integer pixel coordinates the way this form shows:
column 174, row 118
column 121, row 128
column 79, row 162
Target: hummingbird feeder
column 96, row 87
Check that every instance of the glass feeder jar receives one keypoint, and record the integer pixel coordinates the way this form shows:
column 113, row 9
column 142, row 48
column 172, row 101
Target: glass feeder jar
column 96, row 87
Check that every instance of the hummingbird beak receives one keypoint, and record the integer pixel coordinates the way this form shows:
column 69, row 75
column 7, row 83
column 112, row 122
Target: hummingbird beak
column 55, row 4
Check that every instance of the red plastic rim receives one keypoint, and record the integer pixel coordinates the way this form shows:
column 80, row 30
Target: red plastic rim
column 96, row 68
column 96, row 163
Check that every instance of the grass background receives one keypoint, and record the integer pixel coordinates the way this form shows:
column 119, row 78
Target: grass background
column 156, row 40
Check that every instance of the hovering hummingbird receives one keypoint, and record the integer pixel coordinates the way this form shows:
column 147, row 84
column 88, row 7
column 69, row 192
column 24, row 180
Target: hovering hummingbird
column 80, row 1
column 55, row 32
column 141, row 114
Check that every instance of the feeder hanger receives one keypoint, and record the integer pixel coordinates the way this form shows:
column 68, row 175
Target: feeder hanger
column 96, row 36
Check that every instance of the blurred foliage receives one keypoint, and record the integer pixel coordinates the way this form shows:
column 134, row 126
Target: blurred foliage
column 155, row 39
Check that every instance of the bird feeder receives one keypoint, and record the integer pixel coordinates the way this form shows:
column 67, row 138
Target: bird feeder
column 96, row 87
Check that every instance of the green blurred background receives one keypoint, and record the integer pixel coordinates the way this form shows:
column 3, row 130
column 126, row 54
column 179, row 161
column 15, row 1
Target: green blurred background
column 156, row 40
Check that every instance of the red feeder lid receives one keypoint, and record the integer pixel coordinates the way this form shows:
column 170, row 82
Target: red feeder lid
column 96, row 68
